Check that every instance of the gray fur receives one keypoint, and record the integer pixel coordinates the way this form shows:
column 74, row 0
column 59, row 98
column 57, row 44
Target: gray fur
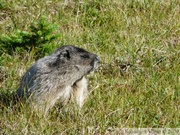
column 57, row 77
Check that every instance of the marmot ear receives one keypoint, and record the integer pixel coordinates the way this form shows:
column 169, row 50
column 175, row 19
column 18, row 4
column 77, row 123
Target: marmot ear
column 65, row 54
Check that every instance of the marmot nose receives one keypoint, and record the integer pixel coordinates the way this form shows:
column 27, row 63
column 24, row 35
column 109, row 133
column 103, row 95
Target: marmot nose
column 98, row 59
column 96, row 62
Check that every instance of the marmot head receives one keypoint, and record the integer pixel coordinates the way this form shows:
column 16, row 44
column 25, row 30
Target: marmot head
column 72, row 62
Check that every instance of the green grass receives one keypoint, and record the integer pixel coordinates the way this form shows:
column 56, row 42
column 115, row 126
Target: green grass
column 138, row 82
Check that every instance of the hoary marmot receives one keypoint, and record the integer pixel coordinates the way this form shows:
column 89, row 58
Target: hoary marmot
column 58, row 78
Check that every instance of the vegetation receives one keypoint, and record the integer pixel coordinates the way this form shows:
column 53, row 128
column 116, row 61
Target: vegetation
column 137, row 84
column 40, row 33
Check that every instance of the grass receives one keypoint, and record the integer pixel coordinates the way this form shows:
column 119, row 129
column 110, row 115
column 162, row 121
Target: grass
column 137, row 84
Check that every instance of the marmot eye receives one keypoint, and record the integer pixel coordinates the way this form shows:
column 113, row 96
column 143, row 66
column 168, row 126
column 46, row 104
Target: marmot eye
column 85, row 56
